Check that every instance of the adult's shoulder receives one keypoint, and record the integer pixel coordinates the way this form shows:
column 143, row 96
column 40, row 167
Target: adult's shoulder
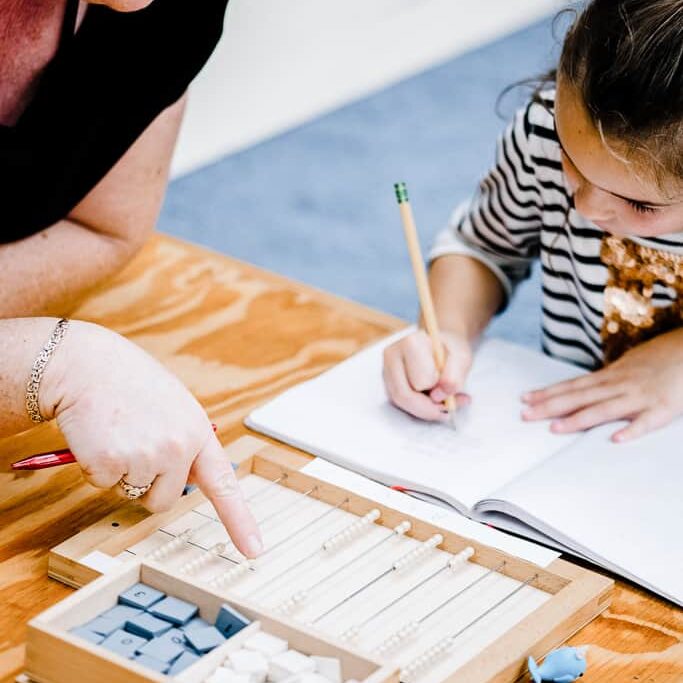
column 165, row 44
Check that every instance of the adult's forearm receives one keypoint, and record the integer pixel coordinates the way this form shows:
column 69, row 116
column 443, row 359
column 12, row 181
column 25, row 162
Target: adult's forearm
column 46, row 273
column 466, row 294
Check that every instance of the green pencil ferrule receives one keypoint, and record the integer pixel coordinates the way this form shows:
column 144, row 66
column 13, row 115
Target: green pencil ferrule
column 401, row 192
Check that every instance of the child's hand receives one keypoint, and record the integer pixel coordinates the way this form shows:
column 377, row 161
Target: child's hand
column 412, row 380
column 644, row 386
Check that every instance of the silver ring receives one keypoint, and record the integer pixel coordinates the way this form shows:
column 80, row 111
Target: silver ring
column 133, row 492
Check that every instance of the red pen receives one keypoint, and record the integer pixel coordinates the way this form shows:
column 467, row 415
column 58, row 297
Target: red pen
column 42, row 461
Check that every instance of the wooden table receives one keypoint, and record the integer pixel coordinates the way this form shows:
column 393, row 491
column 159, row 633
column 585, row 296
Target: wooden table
column 237, row 335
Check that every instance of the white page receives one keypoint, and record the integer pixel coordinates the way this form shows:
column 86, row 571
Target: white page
column 447, row 519
column 619, row 504
column 343, row 415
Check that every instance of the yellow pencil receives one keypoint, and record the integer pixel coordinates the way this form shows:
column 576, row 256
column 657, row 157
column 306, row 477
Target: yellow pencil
column 423, row 291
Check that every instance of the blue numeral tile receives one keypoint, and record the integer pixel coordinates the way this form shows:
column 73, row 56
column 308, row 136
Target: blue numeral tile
column 104, row 626
column 141, row 596
column 229, row 621
column 90, row 636
column 166, row 647
column 123, row 643
column 147, row 626
column 174, row 610
column 122, row 613
column 151, row 663
column 197, row 622
column 180, row 664
column 204, row 639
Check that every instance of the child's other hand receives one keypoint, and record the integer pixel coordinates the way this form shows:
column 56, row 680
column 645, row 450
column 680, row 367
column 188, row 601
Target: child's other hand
column 644, row 386
column 412, row 380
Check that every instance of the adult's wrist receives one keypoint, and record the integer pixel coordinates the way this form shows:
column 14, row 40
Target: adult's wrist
column 59, row 377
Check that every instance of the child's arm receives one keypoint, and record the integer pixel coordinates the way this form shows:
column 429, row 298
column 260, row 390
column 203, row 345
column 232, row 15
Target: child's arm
column 644, row 386
column 477, row 260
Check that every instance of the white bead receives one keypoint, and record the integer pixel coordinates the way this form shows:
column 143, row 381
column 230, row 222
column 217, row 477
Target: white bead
column 403, row 528
column 267, row 644
column 251, row 663
column 461, row 558
column 288, row 664
column 223, row 675
column 351, row 633
column 329, row 667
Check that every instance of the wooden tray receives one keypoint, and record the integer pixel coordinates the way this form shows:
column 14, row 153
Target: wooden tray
column 572, row 595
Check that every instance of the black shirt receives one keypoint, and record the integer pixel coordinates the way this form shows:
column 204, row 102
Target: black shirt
column 104, row 86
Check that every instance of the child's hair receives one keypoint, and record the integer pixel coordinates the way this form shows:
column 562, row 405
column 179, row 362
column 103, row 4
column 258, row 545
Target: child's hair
column 625, row 59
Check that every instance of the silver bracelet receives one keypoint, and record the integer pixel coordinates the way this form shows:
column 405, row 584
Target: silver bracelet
column 39, row 365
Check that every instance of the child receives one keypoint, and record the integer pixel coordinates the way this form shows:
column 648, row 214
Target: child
column 588, row 178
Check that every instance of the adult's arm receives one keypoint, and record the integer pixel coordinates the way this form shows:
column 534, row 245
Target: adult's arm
column 45, row 273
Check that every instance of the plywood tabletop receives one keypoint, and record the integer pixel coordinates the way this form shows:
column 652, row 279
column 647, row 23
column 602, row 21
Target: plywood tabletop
column 237, row 336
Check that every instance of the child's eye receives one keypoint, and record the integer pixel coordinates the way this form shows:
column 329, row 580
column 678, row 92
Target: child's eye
column 641, row 208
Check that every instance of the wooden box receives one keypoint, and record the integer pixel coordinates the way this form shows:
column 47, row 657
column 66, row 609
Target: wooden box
column 53, row 655
column 572, row 596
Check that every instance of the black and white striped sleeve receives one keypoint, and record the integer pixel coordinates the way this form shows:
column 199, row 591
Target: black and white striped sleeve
column 501, row 224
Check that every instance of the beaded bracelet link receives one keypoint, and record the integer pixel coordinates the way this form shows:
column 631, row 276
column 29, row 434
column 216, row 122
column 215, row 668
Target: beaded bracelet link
column 39, row 365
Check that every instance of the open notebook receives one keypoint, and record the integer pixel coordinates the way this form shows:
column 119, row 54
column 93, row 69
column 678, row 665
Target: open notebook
column 620, row 506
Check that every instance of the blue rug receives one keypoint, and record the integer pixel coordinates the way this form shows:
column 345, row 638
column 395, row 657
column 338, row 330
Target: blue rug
column 317, row 203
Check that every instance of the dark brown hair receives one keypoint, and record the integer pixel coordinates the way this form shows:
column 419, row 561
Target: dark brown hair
column 625, row 59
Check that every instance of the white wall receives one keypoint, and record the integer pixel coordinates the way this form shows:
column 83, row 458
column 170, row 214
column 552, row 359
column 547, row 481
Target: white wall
column 281, row 63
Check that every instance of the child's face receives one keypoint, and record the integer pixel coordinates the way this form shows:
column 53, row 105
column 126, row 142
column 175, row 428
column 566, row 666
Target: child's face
column 608, row 190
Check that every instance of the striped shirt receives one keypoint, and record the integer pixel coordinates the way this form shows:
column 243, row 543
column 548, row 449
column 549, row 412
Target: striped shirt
column 522, row 211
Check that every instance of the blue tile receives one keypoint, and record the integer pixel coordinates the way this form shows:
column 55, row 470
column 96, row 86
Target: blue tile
column 122, row 613
column 180, row 664
column 229, row 621
column 151, row 663
column 176, row 611
column 147, row 626
column 104, row 626
column 167, row 647
column 90, row 636
column 123, row 643
column 197, row 622
column 141, row 596
column 205, row 639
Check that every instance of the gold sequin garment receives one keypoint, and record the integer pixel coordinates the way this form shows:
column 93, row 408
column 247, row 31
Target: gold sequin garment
column 630, row 313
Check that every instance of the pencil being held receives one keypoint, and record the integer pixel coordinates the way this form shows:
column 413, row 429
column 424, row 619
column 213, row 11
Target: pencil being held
column 427, row 385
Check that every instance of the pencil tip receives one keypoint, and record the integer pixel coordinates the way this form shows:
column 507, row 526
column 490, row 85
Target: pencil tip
column 452, row 422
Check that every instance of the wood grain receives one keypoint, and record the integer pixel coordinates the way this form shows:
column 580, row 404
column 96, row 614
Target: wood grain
column 236, row 336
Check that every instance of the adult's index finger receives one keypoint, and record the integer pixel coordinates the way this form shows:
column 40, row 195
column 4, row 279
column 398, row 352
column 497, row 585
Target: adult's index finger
column 213, row 473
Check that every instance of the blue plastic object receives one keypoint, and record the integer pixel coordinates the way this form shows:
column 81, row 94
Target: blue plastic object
column 104, row 626
column 197, row 622
column 565, row 665
column 90, row 636
column 180, row 664
column 204, row 639
column 165, row 648
column 176, row 611
column 122, row 613
column 151, row 663
column 141, row 596
column 229, row 621
column 147, row 626
column 123, row 643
